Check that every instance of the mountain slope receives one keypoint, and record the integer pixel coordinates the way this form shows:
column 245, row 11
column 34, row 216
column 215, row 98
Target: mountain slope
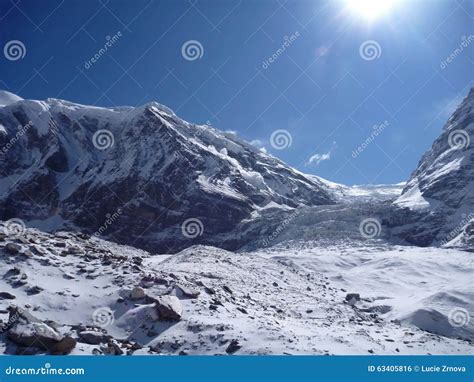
column 7, row 98
column 437, row 205
column 136, row 175
column 104, row 298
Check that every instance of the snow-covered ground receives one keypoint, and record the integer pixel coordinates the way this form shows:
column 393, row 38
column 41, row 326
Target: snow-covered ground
column 425, row 287
column 288, row 299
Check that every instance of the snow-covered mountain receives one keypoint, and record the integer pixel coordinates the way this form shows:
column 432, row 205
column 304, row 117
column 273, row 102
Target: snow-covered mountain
column 437, row 204
column 321, row 268
column 136, row 175
column 7, row 98
column 144, row 177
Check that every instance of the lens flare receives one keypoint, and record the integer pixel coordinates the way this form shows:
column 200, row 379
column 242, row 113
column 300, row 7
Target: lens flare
column 370, row 9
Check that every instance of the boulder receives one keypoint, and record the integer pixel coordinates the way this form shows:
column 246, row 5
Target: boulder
column 93, row 338
column 13, row 248
column 233, row 347
column 353, row 296
column 34, row 290
column 65, row 346
column 137, row 293
column 6, row 296
column 112, row 348
column 28, row 331
column 168, row 308
column 183, row 292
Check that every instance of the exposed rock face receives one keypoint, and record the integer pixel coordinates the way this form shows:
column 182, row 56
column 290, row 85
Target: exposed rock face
column 139, row 181
column 437, row 204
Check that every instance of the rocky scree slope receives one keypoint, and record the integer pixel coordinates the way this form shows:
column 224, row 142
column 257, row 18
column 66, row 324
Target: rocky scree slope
column 68, row 293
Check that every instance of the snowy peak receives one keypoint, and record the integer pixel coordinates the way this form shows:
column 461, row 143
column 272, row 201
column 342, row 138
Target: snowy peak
column 7, row 98
column 439, row 196
column 73, row 166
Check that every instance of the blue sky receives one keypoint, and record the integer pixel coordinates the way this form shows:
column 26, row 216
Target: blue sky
column 323, row 88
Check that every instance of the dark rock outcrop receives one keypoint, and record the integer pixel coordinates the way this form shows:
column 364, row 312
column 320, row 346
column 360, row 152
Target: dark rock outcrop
column 437, row 205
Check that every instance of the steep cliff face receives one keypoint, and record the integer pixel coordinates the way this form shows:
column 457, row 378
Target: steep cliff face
column 136, row 175
column 437, row 205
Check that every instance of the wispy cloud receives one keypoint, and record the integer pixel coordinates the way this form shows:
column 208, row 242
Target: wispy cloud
column 316, row 159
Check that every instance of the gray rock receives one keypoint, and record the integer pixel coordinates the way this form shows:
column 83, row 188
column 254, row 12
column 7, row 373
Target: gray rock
column 183, row 292
column 168, row 308
column 353, row 296
column 112, row 348
column 6, row 296
column 137, row 293
column 93, row 338
column 29, row 331
column 34, row 290
column 13, row 248
column 233, row 347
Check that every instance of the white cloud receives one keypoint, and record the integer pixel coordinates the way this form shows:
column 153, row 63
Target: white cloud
column 259, row 145
column 316, row 159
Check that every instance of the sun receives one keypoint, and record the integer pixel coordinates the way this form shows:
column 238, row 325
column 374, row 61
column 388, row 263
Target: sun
column 370, row 9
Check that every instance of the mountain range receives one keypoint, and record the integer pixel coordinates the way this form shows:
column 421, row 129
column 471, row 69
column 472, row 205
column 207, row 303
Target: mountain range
column 76, row 167
column 128, row 230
